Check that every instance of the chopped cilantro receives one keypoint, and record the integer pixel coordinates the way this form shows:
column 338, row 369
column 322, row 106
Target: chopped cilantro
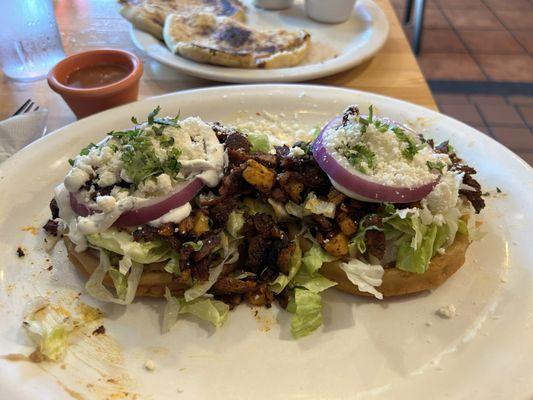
column 71, row 161
column 87, row 149
column 370, row 113
column 411, row 147
column 166, row 141
column 196, row 246
column 358, row 154
column 139, row 158
column 134, row 121
column 152, row 115
column 438, row 165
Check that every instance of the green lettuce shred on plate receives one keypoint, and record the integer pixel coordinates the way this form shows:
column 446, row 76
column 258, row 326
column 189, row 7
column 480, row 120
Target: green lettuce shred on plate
column 213, row 311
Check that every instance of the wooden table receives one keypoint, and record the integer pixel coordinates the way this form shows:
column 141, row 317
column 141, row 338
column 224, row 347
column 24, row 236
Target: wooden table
column 89, row 24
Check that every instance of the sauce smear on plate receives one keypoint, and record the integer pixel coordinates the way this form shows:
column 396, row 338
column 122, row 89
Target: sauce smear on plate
column 96, row 76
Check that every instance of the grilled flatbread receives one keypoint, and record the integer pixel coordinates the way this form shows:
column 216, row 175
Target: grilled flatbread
column 149, row 15
column 223, row 41
column 397, row 282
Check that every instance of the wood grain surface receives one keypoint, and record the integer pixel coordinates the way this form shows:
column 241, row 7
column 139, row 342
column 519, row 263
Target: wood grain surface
column 90, row 24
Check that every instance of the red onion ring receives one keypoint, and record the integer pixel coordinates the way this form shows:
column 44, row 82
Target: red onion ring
column 147, row 210
column 358, row 185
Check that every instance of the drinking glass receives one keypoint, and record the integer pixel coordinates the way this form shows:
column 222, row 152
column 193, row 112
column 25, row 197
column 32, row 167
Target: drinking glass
column 30, row 44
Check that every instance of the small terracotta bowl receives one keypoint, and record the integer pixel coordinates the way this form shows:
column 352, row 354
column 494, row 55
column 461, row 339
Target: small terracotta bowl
column 87, row 101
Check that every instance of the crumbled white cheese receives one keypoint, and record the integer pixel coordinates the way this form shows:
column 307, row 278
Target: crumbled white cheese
column 164, row 183
column 441, row 251
column 296, row 151
column 390, row 166
column 75, row 179
column 106, row 203
column 447, row 312
column 445, row 194
column 149, row 365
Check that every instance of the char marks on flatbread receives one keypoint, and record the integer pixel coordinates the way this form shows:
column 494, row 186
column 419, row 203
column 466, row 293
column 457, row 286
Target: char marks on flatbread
column 206, row 38
column 150, row 15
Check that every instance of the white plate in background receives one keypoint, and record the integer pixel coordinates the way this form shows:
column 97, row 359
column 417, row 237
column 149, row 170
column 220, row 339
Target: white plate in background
column 367, row 349
column 334, row 48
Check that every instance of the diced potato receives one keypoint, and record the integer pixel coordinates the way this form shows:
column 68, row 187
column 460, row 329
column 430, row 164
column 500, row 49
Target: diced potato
column 335, row 197
column 259, row 176
column 293, row 187
column 186, row 225
column 201, row 223
column 348, row 226
column 337, row 246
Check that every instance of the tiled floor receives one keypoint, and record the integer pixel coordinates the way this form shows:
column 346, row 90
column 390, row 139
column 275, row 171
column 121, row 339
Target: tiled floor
column 482, row 40
column 508, row 119
column 482, row 46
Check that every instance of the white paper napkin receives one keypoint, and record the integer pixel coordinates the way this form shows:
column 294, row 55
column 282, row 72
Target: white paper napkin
column 19, row 131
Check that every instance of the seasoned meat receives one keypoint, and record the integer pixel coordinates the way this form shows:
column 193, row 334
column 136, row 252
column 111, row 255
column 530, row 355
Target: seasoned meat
column 283, row 298
column 261, row 296
column 227, row 285
column 200, row 268
column 209, row 242
column 220, row 212
column 279, row 195
column 51, row 227
column 54, row 209
column 237, row 141
column 323, row 223
column 263, row 224
column 268, row 160
column 232, row 300
column 237, row 156
column 292, row 184
column 315, row 178
column 233, row 183
column 257, row 247
column 284, row 257
column 375, row 243
column 222, row 131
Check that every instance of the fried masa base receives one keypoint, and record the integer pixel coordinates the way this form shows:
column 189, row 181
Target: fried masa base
column 153, row 279
column 397, row 282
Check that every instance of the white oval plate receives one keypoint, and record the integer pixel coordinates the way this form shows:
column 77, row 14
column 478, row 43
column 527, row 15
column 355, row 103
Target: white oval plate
column 367, row 348
column 334, row 48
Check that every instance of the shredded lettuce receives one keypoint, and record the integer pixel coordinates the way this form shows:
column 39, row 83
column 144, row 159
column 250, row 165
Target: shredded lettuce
column 296, row 210
column 365, row 276
column 96, row 288
column 307, row 313
column 235, row 223
column 120, row 282
column 231, row 255
column 123, row 243
column 259, row 142
column 49, row 326
column 254, row 206
column 295, row 263
column 279, row 210
column 213, row 311
column 315, row 257
column 317, row 206
column 196, row 246
column 173, row 265
column 315, row 283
